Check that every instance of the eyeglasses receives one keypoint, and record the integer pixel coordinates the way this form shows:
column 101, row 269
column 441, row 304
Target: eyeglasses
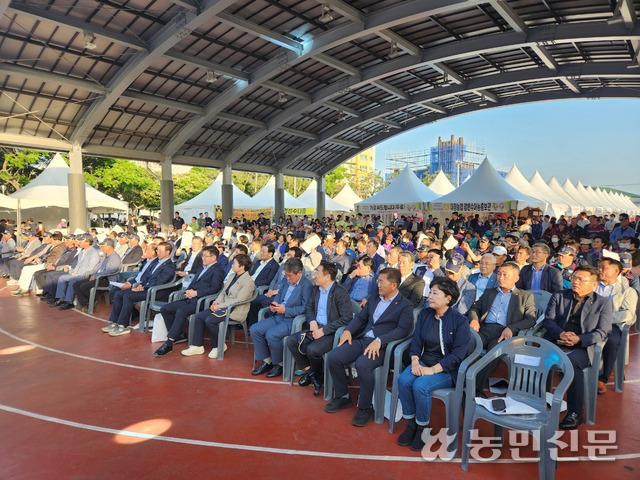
column 581, row 280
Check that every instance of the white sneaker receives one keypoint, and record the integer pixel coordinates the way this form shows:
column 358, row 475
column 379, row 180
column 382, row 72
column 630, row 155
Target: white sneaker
column 214, row 352
column 119, row 330
column 110, row 326
column 192, row 350
column 12, row 282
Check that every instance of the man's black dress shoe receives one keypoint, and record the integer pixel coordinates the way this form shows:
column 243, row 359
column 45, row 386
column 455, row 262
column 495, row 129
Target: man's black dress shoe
column 571, row 421
column 66, row 306
column 317, row 384
column 55, row 303
column 305, row 379
column 264, row 367
column 45, row 298
column 275, row 371
column 163, row 350
column 338, row 404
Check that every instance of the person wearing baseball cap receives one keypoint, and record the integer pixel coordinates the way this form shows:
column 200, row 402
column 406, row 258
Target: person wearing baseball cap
column 7, row 244
column 500, row 253
column 566, row 264
column 454, row 269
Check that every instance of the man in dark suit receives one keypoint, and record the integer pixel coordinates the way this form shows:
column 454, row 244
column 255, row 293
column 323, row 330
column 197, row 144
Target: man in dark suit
column 500, row 313
column 277, row 283
column 372, row 249
column 193, row 261
column 292, row 300
column 207, row 281
column 133, row 254
column 158, row 270
column 539, row 275
column 329, row 309
column 411, row 286
column 386, row 317
column 576, row 320
column 263, row 271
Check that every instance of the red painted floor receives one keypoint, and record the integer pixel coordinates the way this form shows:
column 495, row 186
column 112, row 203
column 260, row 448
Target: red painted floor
column 67, row 389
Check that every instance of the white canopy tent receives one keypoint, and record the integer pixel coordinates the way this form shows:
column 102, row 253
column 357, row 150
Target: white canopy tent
column 46, row 197
column 593, row 202
column 8, row 203
column 575, row 206
column 606, row 203
column 487, row 190
column 404, row 196
column 515, row 178
column 347, row 197
column 557, row 204
column 620, row 207
column 212, row 195
column 309, row 199
column 578, row 195
column 266, row 197
column 588, row 191
column 441, row 184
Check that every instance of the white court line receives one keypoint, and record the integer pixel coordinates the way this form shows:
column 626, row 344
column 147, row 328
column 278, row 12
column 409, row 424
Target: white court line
column 148, row 369
column 283, row 451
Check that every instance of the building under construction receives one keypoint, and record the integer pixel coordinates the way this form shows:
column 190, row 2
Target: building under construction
column 454, row 157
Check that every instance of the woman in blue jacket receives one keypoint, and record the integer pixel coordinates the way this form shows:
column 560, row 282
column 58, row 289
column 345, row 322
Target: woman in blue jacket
column 439, row 345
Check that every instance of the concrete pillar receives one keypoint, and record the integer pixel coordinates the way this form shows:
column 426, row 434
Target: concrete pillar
column 279, row 203
column 166, row 194
column 227, row 194
column 320, row 197
column 77, row 193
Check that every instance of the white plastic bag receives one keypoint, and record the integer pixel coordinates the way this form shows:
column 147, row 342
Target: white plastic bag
column 159, row 332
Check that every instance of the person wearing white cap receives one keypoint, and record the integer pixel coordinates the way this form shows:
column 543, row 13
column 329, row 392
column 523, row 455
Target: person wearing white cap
column 500, row 253
column 62, row 224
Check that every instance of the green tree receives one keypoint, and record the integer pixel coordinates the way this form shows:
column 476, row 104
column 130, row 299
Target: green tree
column 250, row 183
column 123, row 179
column 20, row 166
column 335, row 180
column 368, row 184
column 296, row 185
column 188, row 185
column 428, row 178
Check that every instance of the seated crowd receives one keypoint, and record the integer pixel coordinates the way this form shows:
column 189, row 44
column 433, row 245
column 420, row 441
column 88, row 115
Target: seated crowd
column 364, row 286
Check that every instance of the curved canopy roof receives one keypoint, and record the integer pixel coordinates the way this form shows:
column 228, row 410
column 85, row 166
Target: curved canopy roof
column 297, row 86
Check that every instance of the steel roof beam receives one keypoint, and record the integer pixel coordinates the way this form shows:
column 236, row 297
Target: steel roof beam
column 403, row 44
column 338, row 65
column 606, row 92
column 343, row 109
column 55, row 78
column 509, row 15
column 167, row 37
column 163, row 102
column 408, row 11
column 206, row 65
column 344, row 143
column 294, row 92
column 434, row 107
column 18, row 140
column 436, row 57
column 259, row 31
column 298, row 133
column 41, row 14
column 609, row 69
column 345, row 10
column 387, row 87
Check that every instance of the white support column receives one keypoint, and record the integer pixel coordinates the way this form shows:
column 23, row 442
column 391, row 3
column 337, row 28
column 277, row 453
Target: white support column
column 166, row 194
column 227, row 194
column 320, row 204
column 279, row 200
column 77, row 193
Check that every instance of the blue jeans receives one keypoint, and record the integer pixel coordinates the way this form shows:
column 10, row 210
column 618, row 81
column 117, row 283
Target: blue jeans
column 415, row 393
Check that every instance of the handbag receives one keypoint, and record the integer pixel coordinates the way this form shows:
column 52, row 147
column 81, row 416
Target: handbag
column 220, row 313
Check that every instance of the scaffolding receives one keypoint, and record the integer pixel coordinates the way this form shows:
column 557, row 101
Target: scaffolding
column 417, row 161
column 454, row 157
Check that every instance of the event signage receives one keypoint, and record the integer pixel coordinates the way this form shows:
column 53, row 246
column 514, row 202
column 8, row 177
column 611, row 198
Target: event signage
column 470, row 207
column 391, row 208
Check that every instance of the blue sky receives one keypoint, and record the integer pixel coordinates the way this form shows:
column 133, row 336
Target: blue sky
column 596, row 141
